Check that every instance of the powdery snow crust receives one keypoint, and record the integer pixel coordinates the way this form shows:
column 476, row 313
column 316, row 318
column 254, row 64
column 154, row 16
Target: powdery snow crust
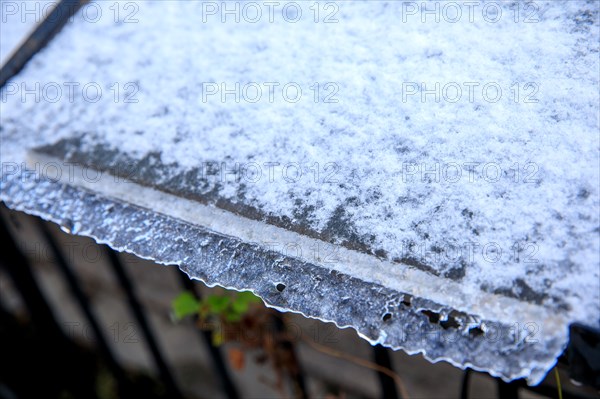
column 529, row 219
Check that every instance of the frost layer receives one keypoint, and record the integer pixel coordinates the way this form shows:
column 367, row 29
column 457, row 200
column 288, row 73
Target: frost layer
column 493, row 193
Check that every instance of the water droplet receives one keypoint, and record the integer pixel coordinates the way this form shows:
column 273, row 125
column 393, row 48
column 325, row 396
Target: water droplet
column 67, row 226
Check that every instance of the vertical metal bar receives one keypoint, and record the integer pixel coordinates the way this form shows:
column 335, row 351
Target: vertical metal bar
column 222, row 372
column 464, row 388
column 42, row 318
column 84, row 305
column 20, row 273
column 42, row 34
column 297, row 376
column 136, row 308
column 507, row 390
column 388, row 385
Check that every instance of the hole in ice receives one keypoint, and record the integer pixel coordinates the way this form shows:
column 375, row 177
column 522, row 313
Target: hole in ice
column 476, row 331
column 280, row 287
column 450, row 322
column 447, row 322
column 406, row 300
column 433, row 316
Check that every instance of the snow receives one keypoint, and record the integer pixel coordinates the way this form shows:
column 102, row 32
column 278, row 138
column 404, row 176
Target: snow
column 513, row 178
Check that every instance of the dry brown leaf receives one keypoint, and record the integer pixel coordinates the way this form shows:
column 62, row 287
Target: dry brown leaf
column 236, row 358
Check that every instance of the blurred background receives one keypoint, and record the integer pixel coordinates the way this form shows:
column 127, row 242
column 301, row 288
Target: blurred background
column 80, row 320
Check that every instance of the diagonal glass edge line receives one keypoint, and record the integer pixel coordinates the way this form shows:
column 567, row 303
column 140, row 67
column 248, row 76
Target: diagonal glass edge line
column 41, row 35
column 201, row 190
column 353, row 263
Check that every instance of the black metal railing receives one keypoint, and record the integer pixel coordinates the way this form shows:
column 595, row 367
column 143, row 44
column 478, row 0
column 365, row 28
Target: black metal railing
column 60, row 346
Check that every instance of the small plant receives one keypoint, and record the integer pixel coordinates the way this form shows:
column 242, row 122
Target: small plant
column 236, row 317
column 228, row 308
column 241, row 319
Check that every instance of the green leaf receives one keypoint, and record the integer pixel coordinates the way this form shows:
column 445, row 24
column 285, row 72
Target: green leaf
column 217, row 303
column 184, row 305
column 239, row 305
column 248, row 297
column 233, row 316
